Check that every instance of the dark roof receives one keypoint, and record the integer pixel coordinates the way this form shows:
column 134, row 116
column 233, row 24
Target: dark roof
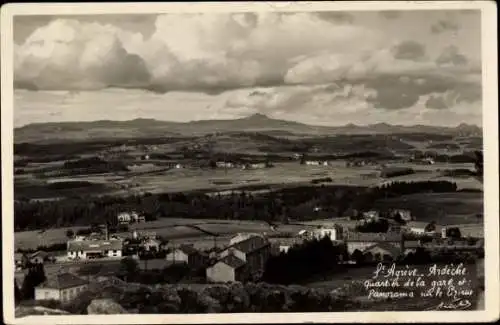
column 392, row 249
column 233, row 261
column 63, row 281
column 251, row 244
column 42, row 254
column 188, row 249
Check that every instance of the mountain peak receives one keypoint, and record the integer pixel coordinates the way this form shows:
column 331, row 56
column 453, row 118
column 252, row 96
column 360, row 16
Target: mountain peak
column 258, row 116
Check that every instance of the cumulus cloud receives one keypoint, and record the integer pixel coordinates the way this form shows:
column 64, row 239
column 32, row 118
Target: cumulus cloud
column 443, row 26
column 451, row 56
column 214, row 52
column 409, row 50
column 326, row 64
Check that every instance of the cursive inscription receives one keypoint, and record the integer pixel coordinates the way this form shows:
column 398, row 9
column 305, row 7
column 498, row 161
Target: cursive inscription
column 450, row 286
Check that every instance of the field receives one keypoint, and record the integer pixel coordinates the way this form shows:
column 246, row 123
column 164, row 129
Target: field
column 444, row 208
column 186, row 179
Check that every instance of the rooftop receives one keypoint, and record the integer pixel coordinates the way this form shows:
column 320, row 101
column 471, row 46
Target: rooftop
column 95, row 245
column 188, row 249
column 379, row 237
column 392, row 249
column 63, row 281
column 251, row 244
column 233, row 261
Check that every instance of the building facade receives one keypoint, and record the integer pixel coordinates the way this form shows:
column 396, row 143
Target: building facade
column 89, row 249
column 62, row 287
column 228, row 269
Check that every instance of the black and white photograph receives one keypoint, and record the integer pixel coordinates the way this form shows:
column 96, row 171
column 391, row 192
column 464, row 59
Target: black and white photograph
column 249, row 159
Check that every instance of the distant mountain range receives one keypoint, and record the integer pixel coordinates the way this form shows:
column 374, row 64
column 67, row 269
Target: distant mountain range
column 42, row 132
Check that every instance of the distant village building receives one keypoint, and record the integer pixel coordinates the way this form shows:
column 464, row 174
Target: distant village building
column 62, row 287
column 405, row 215
column 89, row 249
column 21, row 260
column 228, row 269
column 187, row 254
column 151, row 244
column 129, row 217
column 334, row 233
column 382, row 252
column 224, row 164
column 242, row 237
column 371, row 215
column 361, row 241
column 421, row 228
column 254, row 252
column 38, row 257
column 313, row 163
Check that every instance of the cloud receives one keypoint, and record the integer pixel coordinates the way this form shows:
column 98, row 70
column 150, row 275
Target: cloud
column 443, row 26
column 336, row 16
column 409, row 50
column 452, row 56
column 215, row 52
column 323, row 64
column 390, row 14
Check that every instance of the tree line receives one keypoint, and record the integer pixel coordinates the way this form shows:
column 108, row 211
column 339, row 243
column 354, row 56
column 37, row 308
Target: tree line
column 302, row 262
column 276, row 206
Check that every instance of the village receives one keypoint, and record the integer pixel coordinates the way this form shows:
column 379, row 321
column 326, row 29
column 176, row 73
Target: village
column 243, row 258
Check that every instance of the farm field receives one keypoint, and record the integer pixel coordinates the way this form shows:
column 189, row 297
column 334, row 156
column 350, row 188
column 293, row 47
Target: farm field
column 444, row 208
column 187, row 179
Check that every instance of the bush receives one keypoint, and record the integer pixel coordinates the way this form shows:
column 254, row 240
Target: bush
column 396, row 171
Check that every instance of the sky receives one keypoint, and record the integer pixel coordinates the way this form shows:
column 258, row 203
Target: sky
column 322, row 68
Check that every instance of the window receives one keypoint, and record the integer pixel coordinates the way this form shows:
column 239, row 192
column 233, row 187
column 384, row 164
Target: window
column 46, row 295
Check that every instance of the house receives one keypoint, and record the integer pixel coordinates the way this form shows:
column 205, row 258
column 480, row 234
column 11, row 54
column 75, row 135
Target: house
column 382, row 252
column 422, row 228
column 403, row 214
column 361, row 241
column 151, row 244
column 313, row 163
column 254, row 251
column 21, row 260
column 242, row 237
column 284, row 244
column 371, row 215
column 38, row 257
column 62, row 287
column 224, row 164
column 228, row 269
column 89, row 249
column 334, row 233
column 128, row 217
column 187, row 254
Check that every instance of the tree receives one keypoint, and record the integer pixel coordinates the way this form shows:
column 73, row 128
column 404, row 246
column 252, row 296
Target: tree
column 430, row 227
column 70, row 233
column 129, row 268
column 17, row 293
column 35, row 276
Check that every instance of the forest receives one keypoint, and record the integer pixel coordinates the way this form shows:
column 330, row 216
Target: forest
column 280, row 206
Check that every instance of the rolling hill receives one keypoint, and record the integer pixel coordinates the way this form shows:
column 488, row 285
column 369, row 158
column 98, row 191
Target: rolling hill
column 141, row 128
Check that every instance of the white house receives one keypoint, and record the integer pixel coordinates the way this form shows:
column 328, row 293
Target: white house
column 89, row 249
column 334, row 233
column 62, row 287
column 229, row 269
column 313, row 163
column 186, row 254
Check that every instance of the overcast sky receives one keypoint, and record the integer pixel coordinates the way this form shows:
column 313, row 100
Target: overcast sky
column 327, row 68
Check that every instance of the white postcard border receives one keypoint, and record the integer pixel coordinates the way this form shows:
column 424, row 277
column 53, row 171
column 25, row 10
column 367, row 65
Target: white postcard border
column 490, row 138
